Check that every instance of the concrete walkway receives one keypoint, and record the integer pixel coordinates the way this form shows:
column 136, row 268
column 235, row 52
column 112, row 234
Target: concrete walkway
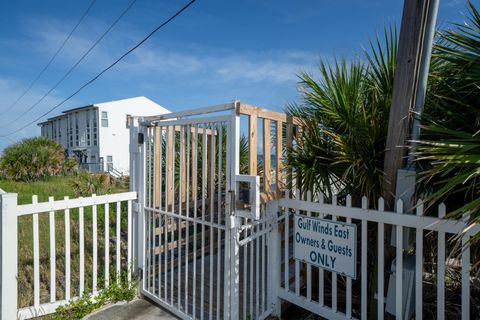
column 139, row 309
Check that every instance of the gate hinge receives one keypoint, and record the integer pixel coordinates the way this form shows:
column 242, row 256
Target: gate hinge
column 136, row 206
column 139, row 274
column 232, row 202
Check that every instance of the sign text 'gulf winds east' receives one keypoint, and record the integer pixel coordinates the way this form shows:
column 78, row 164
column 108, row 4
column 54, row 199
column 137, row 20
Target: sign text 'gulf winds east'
column 326, row 243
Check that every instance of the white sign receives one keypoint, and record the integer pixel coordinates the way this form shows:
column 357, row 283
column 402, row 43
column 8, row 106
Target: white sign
column 327, row 244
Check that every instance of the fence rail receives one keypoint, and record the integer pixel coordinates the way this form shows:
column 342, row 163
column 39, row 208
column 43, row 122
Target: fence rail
column 337, row 297
column 46, row 220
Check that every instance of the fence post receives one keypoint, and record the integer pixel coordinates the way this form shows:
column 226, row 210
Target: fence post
column 234, row 268
column 136, row 184
column 8, row 276
column 273, row 260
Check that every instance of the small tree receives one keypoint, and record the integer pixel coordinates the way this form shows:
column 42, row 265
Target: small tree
column 344, row 115
column 32, row 159
column 449, row 151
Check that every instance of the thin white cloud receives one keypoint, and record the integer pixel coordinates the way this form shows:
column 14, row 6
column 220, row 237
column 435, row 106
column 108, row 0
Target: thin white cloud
column 455, row 3
column 10, row 90
column 270, row 66
column 235, row 73
column 48, row 35
column 224, row 65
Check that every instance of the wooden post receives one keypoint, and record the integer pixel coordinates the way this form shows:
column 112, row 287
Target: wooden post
column 267, row 180
column 9, row 264
column 278, row 174
column 406, row 81
column 208, row 171
column 183, row 178
column 170, row 142
column 289, row 145
column 404, row 88
column 252, row 145
column 157, row 167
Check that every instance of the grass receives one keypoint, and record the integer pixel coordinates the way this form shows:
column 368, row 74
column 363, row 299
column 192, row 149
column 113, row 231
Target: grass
column 78, row 309
column 59, row 187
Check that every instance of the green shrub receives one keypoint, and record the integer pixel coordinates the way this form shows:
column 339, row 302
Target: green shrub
column 79, row 308
column 85, row 183
column 344, row 113
column 32, row 159
column 70, row 166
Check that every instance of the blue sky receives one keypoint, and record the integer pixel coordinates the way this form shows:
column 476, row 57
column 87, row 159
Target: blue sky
column 215, row 52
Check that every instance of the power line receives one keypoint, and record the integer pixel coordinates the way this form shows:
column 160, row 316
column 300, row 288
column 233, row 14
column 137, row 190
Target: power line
column 51, row 59
column 104, row 70
column 76, row 63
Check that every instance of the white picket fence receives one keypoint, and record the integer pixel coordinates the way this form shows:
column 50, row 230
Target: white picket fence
column 268, row 272
column 295, row 285
column 11, row 212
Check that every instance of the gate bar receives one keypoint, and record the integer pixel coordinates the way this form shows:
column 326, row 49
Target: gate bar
column 190, row 112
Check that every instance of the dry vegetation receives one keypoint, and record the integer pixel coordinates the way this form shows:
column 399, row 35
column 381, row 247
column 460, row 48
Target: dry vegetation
column 60, row 187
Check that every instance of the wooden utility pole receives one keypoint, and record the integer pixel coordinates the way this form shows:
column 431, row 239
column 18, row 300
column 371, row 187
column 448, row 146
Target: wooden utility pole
column 409, row 57
column 413, row 57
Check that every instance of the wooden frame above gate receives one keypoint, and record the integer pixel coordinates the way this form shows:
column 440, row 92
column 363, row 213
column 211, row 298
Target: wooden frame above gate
column 282, row 124
column 270, row 133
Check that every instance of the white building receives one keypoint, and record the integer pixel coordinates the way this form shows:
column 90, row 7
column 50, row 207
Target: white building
column 97, row 135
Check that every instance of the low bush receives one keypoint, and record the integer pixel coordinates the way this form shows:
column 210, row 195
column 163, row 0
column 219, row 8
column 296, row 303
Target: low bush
column 85, row 184
column 79, row 308
column 70, row 166
column 32, row 159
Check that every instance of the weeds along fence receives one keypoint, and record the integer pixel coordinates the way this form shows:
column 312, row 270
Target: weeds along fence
column 58, row 250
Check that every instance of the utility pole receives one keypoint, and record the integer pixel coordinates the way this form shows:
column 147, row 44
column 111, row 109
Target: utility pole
column 408, row 98
column 414, row 50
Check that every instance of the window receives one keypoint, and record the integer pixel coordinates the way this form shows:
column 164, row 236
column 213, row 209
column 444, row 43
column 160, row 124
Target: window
column 95, row 128
column 109, row 163
column 70, row 130
column 104, row 119
column 76, row 129
column 88, row 127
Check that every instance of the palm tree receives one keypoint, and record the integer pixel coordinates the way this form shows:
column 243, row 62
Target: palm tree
column 344, row 115
column 32, row 159
column 449, row 151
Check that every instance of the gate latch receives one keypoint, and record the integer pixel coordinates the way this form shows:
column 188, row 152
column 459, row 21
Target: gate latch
column 140, row 138
column 247, row 196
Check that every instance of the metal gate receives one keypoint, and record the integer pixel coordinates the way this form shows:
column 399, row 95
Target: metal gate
column 188, row 173
column 202, row 255
column 205, row 252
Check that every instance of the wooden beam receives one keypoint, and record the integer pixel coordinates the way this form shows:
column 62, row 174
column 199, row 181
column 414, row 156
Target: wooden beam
column 404, row 88
column 157, row 167
column 278, row 157
column 208, row 171
column 260, row 112
column 267, row 180
column 298, row 181
column 252, row 145
column 193, row 165
column 169, row 177
column 289, row 145
column 183, row 163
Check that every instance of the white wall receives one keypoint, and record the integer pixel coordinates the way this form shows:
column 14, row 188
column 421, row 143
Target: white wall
column 115, row 140
column 112, row 140
column 56, row 129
